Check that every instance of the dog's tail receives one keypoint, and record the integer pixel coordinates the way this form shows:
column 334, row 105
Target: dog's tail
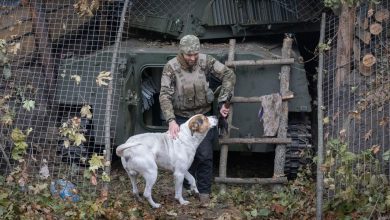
column 121, row 148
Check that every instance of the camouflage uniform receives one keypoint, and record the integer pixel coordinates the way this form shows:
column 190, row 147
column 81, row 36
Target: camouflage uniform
column 185, row 92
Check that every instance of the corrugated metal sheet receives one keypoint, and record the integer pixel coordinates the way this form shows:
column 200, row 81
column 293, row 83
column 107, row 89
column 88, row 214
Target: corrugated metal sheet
column 229, row 12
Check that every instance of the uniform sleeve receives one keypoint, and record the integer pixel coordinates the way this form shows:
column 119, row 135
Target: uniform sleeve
column 225, row 74
column 166, row 92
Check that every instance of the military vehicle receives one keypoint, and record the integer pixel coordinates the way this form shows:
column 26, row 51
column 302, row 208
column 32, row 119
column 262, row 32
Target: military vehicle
column 137, row 80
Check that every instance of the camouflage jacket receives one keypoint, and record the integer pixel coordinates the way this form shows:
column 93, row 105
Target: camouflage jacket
column 175, row 75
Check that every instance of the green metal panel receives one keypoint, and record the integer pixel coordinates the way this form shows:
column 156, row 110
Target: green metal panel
column 137, row 59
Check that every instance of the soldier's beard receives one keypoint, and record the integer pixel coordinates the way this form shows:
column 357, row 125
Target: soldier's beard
column 186, row 64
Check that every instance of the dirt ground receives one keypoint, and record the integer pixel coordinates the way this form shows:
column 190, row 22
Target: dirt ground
column 250, row 165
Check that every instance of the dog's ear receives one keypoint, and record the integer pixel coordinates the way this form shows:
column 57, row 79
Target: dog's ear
column 195, row 125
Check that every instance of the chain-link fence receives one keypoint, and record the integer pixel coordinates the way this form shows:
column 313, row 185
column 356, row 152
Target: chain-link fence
column 356, row 97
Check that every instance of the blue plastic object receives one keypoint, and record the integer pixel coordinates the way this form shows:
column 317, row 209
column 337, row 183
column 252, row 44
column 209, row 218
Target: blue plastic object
column 64, row 189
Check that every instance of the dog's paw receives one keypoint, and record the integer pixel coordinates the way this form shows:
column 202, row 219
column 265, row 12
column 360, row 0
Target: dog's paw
column 184, row 202
column 195, row 190
column 156, row 205
column 137, row 197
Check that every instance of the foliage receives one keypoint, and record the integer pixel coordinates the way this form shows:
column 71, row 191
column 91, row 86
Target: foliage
column 95, row 163
column 19, row 139
column 4, row 62
column 86, row 7
column 362, row 192
column 6, row 114
column 29, row 104
column 362, row 187
column 73, row 132
column 322, row 47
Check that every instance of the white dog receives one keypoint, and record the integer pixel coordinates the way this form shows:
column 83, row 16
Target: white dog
column 143, row 153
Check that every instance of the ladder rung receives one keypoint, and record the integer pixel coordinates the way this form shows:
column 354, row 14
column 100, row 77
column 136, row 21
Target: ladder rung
column 251, row 180
column 259, row 62
column 254, row 99
column 255, row 141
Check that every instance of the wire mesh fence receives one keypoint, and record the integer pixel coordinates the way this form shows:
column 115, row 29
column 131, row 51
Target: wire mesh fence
column 56, row 68
column 356, row 96
column 54, row 89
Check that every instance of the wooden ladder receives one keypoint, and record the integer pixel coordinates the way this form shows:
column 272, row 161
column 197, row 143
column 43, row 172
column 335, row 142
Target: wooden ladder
column 281, row 140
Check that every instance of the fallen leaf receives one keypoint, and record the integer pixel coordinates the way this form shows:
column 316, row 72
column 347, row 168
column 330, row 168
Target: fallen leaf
column 278, row 208
column 93, row 180
column 29, row 104
column 343, row 134
column 66, row 144
column 355, row 114
column 336, row 115
column 104, row 75
column 375, row 149
column 326, row 136
column 326, row 120
column 79, row 138
column 76, row 78
column 171, row 213
column 384, row 121
column 86, row 111
column 368, row 135
column 14, row 48
column 44, row 172
column 370, row 12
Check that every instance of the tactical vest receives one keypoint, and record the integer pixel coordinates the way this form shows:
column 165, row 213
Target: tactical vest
column 192, row 93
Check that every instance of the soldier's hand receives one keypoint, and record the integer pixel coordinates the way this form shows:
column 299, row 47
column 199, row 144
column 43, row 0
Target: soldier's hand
column 174, row 129
column 224, row 111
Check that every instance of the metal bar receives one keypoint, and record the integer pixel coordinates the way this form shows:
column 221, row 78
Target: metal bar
column 251, row 180
column 255, row 141
column 260, row 62
column 107, row 118
column 320, row 151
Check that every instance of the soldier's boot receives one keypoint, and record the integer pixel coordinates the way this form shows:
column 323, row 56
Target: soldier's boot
column 204, row 199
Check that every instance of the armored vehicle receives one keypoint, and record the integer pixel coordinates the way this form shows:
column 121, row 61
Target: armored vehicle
column 138, row 86
column 137, row 79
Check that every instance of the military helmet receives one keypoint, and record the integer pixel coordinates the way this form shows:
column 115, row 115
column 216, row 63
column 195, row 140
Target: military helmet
column 189, row 44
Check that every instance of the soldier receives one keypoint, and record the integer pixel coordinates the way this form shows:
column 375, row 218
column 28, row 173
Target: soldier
column 185, row 92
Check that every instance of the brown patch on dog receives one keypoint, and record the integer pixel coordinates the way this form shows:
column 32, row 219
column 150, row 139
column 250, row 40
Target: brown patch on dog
column 199, row 123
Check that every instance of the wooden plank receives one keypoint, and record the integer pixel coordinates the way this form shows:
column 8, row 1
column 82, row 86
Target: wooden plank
column 280, row 150
column 345, row 35
column 224, row 147
column 256, row 99
column 255, row 141
column 276, row 180
column 259, row 62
